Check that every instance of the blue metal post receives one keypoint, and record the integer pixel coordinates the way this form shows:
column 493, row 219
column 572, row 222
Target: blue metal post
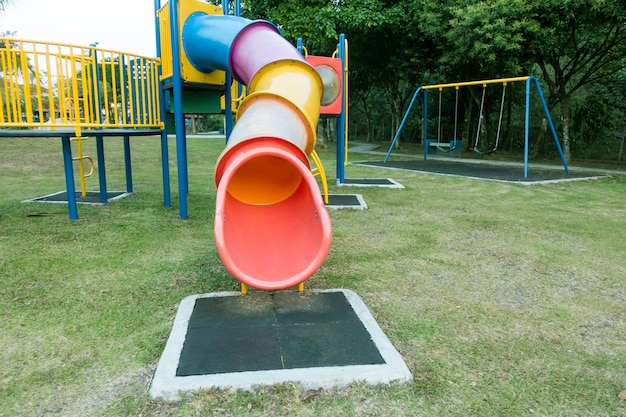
column 179, row 119
column 527, row 128
column 425, row 124
column 341, row 119
column 165, row 167
column 406, row 115
column 228, row 99
column 127, row 165
column 552, row 129
column 102, row 177
column 69, row 178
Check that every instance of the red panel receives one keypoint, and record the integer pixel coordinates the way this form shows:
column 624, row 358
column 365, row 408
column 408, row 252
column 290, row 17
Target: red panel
column 334, row 63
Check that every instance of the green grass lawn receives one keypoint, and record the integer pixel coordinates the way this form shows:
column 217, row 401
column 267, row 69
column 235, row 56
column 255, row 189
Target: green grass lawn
column 503, row 299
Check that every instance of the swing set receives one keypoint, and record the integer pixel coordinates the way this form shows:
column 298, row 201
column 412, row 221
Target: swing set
column 454, row 146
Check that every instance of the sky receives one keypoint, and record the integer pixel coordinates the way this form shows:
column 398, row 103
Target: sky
column 120, row 25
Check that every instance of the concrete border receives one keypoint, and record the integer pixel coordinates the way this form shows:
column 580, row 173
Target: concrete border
column 538, row 182
column 393, row 183
column 167, row 386
column 98, row 203
column 362, row 204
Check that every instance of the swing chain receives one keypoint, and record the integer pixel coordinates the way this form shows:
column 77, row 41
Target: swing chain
column 482, row 103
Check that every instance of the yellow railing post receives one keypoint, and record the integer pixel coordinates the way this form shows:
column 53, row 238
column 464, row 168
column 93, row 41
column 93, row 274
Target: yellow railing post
column 81, row 164
column 319, row 171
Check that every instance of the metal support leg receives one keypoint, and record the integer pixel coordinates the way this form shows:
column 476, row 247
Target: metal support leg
column 69, row 178
column 165, row 167
column 127, row 165
column 102, row 176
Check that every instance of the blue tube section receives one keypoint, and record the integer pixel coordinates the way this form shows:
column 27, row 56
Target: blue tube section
column 207, row 40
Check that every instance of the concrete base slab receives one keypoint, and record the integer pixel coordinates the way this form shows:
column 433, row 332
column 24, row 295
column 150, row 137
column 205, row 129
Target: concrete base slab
column 370, row 182
column 314, row 339
column 91, row 197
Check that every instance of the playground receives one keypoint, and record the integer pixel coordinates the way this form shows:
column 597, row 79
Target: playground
column 425, row 304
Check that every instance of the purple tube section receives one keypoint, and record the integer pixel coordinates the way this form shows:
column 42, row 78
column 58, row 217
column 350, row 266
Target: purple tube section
column 257, row 45
column 234, row 44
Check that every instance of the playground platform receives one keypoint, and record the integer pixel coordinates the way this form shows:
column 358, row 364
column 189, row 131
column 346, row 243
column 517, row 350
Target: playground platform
column 315, row 339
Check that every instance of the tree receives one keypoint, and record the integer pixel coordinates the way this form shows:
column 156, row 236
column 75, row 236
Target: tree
column 579, row 42
column 396, row 46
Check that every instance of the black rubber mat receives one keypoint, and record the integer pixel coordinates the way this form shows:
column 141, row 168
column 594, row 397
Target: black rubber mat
column 490, row 171
column 343, row 200
column 368, row 181
column 274, row 330
column 92, row 197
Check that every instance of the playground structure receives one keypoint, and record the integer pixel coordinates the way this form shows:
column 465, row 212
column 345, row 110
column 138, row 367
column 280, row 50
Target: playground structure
column 74, row 92
column 455, row 144
column 272, row 229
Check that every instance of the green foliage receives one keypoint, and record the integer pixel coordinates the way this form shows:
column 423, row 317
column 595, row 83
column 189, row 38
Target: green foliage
column 489, row 37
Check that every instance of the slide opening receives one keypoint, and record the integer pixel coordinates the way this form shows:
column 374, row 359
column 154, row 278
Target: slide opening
column 263, row 180
column 276, row 245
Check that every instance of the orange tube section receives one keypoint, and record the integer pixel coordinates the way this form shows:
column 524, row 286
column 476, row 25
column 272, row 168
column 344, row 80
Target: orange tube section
column 272, row 230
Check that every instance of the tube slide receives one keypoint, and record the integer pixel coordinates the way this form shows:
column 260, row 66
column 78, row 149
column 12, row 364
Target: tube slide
column 272, row 230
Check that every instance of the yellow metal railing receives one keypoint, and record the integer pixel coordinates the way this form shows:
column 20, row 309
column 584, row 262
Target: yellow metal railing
column 50, row 85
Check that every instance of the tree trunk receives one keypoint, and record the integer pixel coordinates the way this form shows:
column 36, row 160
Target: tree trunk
column 467, row 123
column 368, row 121
column 321, row 134
column 396, row 117
column 505, row 139
column 540, row 144
column 566, row 125
column 331, row 129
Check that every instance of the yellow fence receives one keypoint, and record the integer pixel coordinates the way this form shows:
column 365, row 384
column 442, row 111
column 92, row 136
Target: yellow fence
column 50, row 85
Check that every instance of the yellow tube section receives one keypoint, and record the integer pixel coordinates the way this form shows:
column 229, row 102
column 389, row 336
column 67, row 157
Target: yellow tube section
column 283, row 104
column 298, row 82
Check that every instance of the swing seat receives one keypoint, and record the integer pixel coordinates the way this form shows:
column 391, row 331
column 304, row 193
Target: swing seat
column 439, row 144
column 432, row 145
